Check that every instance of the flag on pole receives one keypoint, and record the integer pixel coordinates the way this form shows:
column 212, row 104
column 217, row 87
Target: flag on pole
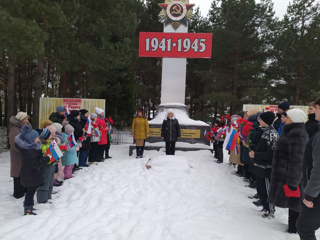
column 67, row 110
column 232, row 141
column 88, row 127
column 236, row 150
column 55, row 151
column 72, row 141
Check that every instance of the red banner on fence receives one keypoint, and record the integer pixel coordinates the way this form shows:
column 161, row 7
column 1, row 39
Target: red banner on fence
column 175, row 45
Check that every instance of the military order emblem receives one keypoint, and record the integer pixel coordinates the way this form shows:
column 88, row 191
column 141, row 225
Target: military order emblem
column 175, row 12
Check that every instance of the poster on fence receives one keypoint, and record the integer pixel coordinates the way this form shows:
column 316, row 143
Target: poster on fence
column 49, row 105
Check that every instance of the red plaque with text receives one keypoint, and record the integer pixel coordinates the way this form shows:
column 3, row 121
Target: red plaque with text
column 175, row 45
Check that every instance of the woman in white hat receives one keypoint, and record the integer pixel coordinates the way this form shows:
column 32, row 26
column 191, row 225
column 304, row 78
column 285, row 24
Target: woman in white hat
column 287, row 164
column 170, row 132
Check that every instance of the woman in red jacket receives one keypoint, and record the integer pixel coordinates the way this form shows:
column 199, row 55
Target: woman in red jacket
column 104, row 138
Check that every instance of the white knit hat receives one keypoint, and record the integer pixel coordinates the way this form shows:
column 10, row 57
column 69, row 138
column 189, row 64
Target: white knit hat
column 21, row 116
column 297, row 115
column 99, row 110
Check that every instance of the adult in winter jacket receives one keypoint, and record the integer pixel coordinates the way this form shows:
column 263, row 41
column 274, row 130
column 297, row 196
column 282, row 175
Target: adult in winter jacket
column 95, row 138
column 170, row 132
column 86, row 143
column 262, row 155
column 33, row 163
column 16, row 123
column 309, row 218
column 59, row 115
column 74, row 121
column 287, row 166
column 102, row 144
column 140, row 131
column 312, row 123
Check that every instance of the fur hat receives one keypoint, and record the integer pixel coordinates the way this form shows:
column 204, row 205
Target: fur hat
column 284, row 106
column 68, row 129
column 58, row 126
column 170, row 110
column 45, row 123
column 51, row 128
column 99, row 111
column 297, row 115
column 253, row 112
column 267, row 117
column 43, row 133
column 21, row 116
column 29, row 134
column 93, row 115
column 60, row 109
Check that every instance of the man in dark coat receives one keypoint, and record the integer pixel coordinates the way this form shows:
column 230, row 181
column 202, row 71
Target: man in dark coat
column 262, row 155
column 287, row 166
column 312, row 123
column 309, row 218
column 74, row 121
column 282, row 107
column 59, row 115
column 170, row 132
column 86, row 143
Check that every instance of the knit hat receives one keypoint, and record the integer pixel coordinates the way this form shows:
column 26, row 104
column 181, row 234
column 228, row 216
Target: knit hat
column 60, row 109
column 51, row 128
column 170, row 110
column 241, row 114
column 64, row 123
column 29, row 134
column 21, row 116
column 297, row 115
column 93, row 115
column 99, row 111
column 43, row 133
column 83, row 111
column 217, row 121
column 58, row 126
column 267, row 117
column 68, row 129
column 284, row 106
column 75, row 113
column 253, row 112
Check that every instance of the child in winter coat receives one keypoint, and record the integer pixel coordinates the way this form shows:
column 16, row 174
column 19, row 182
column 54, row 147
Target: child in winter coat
column 44, row 191
column 69, row 158
column 95, row 138
column 58, row 172
column 33, row 163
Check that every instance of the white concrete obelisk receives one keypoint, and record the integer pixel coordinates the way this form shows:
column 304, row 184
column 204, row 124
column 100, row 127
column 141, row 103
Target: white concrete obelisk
column 174, row 70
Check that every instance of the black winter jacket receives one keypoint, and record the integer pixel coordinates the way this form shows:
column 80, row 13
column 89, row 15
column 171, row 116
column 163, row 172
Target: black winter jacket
column 56, row 117
column 263, row 152
column 311, row 124
column 75, row 123
column 33, row 162
column 170, row 130
column 287, row 166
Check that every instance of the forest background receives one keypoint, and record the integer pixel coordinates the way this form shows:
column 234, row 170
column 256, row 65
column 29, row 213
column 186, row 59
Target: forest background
column 89, row 49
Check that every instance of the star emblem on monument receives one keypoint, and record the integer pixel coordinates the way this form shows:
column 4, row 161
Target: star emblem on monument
column 175, row 12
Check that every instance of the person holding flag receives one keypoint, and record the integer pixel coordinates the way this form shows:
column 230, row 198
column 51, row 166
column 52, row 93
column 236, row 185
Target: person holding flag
column 86, row 142
column 220, row 137
column 44, row 192
column 108, row 121
column 69, row 158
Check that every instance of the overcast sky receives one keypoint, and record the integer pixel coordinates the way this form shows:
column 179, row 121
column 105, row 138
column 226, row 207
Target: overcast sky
column 280, row 6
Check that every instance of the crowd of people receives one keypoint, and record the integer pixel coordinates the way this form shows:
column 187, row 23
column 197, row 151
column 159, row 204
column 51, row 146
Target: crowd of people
column 81, row 138
column 280, row 159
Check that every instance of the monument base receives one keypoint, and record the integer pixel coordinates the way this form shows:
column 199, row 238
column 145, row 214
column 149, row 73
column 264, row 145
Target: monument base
column 192, row 131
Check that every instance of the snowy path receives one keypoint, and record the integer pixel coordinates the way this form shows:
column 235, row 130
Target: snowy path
column 119, row 199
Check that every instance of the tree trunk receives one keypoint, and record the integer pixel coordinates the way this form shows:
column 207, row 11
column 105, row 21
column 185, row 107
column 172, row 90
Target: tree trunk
column 299, row 80
column 37, row 92
column 11, row 89
column 235, row 83
column 5, row 89
column 29, row 87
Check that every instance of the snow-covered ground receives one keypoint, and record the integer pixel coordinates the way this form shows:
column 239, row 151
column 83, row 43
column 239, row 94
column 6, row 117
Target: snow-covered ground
column 182, row 197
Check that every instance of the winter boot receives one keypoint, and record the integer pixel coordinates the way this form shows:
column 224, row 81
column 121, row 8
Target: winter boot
column 107, row 154
column 141, row 153
column 29, row 210
column 268, row 215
